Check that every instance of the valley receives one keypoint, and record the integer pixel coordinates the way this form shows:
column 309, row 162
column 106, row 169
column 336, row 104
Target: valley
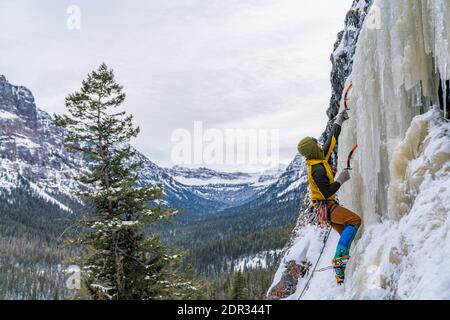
column 238, row 216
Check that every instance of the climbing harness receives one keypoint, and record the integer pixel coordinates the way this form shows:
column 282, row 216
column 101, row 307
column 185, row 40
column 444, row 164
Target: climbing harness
column 322, row 212
column 317, row 262
column 346, row 92
column 349, row 159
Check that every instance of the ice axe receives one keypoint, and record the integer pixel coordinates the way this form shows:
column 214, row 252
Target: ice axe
column 346, row 92
column 349, row 159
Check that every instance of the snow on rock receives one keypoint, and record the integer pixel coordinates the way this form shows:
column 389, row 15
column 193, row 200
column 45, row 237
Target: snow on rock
column 293, row 186
column 5, row 115
column 31, row 147
column 260, row 260
column 42, row 194
column 344, row 51
column 305, row 247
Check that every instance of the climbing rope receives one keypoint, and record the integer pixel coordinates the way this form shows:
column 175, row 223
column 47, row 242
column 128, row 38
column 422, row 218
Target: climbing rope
column 317, row 262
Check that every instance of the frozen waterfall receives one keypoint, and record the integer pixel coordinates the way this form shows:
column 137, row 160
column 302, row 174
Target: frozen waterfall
column 401, row 178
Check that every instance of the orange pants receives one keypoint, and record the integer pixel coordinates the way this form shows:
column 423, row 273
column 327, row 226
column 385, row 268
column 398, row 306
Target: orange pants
column 340, row 217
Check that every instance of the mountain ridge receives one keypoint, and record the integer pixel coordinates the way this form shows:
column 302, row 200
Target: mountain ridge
column 32, row 145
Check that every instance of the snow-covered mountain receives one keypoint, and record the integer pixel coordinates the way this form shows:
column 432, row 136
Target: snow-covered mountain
column 232, row 189
column 31, row 148
column 205, row 176
column 285, row 191
column 202, row 176
column 401, row 179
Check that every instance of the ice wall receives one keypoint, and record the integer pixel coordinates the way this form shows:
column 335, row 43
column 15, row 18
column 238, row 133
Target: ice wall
column 406, row 255
column 396, row 74
column 400, row 182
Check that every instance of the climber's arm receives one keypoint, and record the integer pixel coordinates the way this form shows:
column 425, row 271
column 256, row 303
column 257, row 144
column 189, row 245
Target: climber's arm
column 331, row 141
column 323, row 183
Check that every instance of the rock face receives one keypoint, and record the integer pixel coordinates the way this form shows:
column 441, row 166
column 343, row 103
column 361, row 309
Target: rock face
column 31, row 144
column 343, row 53
column 288, row 283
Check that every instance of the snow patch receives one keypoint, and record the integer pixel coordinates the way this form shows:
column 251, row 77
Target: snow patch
column 41, row 193
column 259, row 260
column 5, row 115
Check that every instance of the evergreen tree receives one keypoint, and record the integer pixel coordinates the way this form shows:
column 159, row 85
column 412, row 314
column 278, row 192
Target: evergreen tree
column 239, row 291
column 121, row 260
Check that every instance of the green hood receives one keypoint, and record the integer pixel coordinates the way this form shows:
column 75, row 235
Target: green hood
column 310, row 150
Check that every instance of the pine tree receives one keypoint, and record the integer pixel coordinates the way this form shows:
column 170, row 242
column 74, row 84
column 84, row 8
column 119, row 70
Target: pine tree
column 121, row 260
column 239, row 291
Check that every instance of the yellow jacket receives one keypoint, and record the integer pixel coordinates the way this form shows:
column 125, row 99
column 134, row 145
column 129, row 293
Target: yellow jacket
column 316, row 156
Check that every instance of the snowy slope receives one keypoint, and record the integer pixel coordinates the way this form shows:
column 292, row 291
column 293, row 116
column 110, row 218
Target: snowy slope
column 401, row 179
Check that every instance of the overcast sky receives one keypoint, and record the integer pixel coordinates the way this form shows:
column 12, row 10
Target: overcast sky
column 259, row 64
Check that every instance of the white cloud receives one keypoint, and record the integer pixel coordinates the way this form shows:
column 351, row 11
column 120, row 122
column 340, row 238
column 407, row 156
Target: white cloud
column 238, row 63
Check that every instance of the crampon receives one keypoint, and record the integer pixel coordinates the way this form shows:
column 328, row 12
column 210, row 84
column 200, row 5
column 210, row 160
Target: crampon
column 340, row 279
column 339, row 265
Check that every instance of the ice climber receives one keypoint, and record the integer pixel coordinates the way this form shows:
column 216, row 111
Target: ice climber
column 323, row 187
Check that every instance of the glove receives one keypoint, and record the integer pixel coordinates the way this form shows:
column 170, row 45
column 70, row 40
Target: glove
column 341, row 117
column 343, row 177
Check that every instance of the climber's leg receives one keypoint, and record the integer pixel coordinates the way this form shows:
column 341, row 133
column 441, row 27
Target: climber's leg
column 336, row 226
column 345, row 241
column 348, row 223
column 342, row 216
